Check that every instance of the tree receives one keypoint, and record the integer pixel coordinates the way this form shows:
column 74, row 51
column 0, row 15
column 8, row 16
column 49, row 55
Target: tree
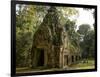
column 87, row 40
column 83, row 29
column 65, row 13
column 73, row 35
column 28, row 18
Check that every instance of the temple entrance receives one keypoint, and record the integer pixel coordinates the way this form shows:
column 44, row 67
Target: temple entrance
column 72, row 58
column 65, row 60
column 40, row 59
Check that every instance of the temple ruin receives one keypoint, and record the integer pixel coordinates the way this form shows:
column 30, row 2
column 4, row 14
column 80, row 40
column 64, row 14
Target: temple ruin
column 50, row 44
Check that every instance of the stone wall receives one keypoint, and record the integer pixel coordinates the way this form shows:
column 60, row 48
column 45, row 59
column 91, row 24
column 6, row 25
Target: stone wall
column 51, row 39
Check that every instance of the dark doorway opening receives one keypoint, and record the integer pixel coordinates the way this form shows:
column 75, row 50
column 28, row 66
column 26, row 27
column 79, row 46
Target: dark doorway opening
column 65, row 59
column 40, row 59
column 76, row 58
column 72, row 58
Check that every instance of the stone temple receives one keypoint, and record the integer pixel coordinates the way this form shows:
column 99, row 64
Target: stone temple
column 50, row 44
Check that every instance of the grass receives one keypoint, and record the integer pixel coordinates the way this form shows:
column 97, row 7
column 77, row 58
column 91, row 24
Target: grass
column 89, row 65
column 80, row 65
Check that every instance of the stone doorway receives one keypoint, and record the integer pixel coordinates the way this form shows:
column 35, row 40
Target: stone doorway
column 72, row 58
column 40, row 58
column 65, row 60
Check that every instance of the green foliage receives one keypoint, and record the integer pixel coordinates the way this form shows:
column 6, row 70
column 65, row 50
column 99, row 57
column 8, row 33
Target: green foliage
column 27, row 21
column 83, row 29
column 73, row 35
column 87, row 42
column 65, row 13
